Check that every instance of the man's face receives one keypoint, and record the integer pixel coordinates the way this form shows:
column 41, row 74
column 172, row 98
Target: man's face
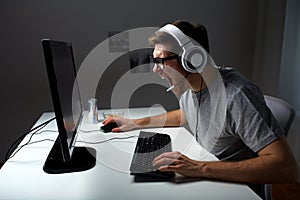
column 170, row 69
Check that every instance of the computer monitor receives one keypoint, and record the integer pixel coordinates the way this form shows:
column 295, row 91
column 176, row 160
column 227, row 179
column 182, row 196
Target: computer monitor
column 64, row 157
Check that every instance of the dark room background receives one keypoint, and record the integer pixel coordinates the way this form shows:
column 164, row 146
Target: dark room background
column 245, row 34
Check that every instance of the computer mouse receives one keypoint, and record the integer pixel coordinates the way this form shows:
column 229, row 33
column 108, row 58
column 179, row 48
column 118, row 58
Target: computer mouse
column 108, row 127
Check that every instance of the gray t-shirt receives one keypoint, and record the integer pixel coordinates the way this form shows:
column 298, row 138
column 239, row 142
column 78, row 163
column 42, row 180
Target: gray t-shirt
column 249, row 124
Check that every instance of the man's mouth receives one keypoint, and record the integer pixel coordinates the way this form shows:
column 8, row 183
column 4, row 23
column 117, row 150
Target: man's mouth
column 170, row 81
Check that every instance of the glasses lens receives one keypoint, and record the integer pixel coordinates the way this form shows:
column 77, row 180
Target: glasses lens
column 158, row 62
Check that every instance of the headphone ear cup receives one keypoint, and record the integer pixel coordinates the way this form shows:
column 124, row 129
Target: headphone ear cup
column 194, row 59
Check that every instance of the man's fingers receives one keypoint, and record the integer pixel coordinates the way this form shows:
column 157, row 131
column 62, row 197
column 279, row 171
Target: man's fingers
column 118, row 129
column 163, row 161
column 173, row 155
column 167, row 161
column 108, row 120
column 174, row 168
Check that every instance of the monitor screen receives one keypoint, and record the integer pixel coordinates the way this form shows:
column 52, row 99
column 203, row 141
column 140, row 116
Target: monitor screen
column 66, row 100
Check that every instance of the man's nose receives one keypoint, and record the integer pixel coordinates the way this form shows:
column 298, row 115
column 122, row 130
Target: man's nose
column 155, row 68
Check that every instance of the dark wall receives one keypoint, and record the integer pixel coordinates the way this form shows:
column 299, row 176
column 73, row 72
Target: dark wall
column 24, row 88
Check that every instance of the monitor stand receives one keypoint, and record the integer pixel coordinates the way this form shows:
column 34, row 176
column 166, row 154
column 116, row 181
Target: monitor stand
column 83, row 158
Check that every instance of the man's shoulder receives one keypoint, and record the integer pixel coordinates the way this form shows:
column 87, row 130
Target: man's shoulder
column 238, row 87
column 236, row 83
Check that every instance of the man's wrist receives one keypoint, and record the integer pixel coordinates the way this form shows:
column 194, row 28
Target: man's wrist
column 203, row 169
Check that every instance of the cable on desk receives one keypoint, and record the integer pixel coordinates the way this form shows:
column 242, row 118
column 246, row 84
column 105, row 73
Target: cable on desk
column 114, row 138
column 84, row 131
column 29, row 144
column 16, row 143
column 43, row 131
column 41, row 126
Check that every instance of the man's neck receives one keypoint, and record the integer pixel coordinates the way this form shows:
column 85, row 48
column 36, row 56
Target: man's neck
column 200, row 81
column 197, row 82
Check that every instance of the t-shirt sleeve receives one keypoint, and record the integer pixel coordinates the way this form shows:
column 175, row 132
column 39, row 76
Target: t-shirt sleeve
column 183, row 101
column 251, row 119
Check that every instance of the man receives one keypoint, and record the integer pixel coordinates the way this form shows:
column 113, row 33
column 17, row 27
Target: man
column 251, row 146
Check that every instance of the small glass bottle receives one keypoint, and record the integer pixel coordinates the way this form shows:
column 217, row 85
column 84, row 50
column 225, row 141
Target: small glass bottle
column 93, row 111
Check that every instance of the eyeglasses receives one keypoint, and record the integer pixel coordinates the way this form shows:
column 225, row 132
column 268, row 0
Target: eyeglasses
column 160, row 61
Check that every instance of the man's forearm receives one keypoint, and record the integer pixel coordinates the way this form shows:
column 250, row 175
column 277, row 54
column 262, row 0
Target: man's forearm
column 248, row 171
column 172, row 118
column 275, row 164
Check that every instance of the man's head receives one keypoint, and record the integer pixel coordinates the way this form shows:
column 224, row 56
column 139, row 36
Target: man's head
column 168, row 51
column 196, row 32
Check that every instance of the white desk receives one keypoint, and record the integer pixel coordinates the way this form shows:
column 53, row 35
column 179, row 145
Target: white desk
column 22, row 177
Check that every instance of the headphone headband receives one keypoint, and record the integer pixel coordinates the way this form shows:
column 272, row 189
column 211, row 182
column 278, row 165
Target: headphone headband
column 181, row 38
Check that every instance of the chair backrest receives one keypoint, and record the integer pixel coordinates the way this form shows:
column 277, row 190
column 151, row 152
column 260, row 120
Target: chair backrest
column 282, row 111
column 284, row 115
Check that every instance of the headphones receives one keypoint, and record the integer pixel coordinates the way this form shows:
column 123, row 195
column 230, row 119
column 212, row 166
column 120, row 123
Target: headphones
column 194, row 57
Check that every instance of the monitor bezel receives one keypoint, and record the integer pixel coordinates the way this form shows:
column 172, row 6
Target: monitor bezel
column 66, row 148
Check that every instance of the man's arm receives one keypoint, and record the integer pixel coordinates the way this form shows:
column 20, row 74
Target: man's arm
column 172, row 118
column 274, row 164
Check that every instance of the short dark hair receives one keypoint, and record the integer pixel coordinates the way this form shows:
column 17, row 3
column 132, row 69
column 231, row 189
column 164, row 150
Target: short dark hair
column 197, row 32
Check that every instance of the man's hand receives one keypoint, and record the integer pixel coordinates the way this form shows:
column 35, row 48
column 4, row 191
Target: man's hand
column 124, row 124
column 178, row 163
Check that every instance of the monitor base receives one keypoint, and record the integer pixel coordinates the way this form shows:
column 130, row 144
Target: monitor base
column 83, row 158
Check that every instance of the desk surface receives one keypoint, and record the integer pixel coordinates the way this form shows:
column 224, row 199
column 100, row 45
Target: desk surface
column 22, row 177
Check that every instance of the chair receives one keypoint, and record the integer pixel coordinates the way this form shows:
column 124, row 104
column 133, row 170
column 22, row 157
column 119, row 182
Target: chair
column 282, row 111
column 284, row 115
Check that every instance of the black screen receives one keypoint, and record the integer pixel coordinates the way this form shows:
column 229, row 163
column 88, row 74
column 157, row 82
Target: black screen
column 67, row 88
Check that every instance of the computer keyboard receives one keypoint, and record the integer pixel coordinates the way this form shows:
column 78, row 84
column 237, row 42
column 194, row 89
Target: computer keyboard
column 149, row 146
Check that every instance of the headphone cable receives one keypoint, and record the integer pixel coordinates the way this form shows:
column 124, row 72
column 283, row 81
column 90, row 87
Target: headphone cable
column 198, row 110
